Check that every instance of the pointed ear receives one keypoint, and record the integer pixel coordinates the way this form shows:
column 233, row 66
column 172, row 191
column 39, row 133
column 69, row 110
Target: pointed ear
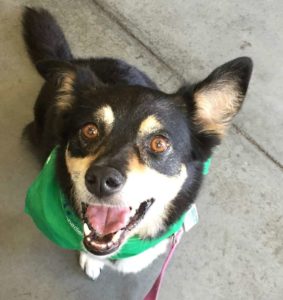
column 213, row 102
column 220, row 96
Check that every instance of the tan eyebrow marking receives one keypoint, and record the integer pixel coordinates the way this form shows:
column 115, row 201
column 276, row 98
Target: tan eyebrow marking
column 150, row 124
column 106, row 115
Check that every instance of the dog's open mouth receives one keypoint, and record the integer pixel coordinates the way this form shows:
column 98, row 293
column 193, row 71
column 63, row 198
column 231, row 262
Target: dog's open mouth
column 105, row 227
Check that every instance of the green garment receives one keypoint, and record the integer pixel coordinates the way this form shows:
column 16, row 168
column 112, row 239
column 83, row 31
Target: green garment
column 55, row 218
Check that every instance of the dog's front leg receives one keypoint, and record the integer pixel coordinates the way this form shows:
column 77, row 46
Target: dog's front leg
column 90, row 265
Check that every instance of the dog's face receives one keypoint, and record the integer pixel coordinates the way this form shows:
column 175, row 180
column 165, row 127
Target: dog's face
column 126, row 161
column 133, row 154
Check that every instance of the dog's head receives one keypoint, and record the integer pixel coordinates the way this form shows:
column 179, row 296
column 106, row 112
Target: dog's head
column 134, row 155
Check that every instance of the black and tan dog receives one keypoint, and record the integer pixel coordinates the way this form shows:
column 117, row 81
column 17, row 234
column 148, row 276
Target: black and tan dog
column 130, row 157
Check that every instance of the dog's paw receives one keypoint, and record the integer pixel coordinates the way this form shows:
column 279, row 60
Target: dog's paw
column 90, row 265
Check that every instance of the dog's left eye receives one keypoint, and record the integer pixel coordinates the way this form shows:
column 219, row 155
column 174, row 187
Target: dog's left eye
column 90, row 131
column 159, row 144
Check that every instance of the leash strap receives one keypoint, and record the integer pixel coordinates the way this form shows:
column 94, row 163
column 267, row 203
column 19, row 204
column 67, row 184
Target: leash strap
column 175, row 239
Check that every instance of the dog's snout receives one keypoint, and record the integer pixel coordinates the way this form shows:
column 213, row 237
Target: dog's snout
column 103, row 181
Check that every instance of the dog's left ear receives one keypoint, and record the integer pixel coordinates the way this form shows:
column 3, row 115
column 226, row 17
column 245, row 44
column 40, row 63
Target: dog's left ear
column 213, row 102
column 69, row 81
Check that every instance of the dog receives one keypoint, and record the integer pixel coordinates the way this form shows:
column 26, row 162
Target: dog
column 129, row 156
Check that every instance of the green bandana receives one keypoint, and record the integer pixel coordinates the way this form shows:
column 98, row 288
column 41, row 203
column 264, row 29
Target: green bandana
column 53, row 215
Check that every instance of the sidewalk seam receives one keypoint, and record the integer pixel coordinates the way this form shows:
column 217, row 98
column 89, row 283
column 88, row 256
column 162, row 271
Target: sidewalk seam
column 114, row 18
column 256, row 144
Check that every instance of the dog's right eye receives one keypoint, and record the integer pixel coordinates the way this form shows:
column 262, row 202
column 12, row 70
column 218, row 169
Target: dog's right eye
column 90, row 132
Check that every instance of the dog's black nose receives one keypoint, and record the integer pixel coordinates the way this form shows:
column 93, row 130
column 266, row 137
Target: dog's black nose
column 103, row 181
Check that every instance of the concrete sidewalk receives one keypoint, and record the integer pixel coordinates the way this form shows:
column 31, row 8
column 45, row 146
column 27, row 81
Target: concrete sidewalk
column 236, row 251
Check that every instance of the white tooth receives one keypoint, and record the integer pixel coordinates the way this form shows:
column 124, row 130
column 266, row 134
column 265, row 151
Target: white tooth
column 102, row 246
column 99, row 245
column 86, row 229
column 116, row 237
column 110, row 244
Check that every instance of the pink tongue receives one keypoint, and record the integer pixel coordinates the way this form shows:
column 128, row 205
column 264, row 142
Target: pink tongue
column 106, row 220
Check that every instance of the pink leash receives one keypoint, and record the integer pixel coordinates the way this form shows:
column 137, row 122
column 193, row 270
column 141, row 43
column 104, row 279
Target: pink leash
column 175, row 239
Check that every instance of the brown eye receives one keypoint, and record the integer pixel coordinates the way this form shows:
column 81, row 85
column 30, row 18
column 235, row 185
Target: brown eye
column 90, row 132
column 159, row 144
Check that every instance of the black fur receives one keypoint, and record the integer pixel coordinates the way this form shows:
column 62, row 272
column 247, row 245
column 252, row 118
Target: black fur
column 132, row 95
column 43, row 36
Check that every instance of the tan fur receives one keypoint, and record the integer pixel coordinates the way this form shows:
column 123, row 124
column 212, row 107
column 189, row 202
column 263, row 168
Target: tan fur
column 64, row 96
column 105, row 114
column 77, row 165
column 216, row 106
column 77, row 168
column 148, row 125
column 135, row 164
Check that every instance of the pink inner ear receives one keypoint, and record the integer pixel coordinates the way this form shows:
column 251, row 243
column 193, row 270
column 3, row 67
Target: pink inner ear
column 107, row 220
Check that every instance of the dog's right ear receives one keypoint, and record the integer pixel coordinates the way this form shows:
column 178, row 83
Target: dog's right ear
column 62, row 75
column 67, row 78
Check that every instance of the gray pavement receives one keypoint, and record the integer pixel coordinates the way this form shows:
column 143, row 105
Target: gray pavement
column 236, row 251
